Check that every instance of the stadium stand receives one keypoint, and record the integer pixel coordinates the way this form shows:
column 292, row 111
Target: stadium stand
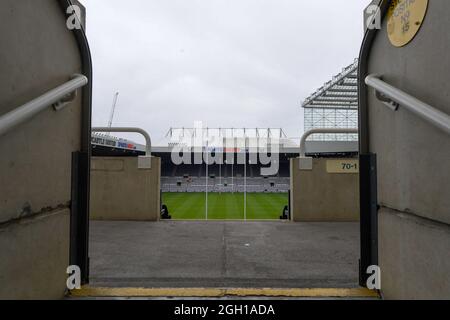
column 226, row 177
column 191, row 184
column 194, row 170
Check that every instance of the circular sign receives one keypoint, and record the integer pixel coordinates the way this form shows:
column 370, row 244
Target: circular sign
column 405, row 17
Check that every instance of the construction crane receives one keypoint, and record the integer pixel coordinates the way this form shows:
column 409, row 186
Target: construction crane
column 113, row 110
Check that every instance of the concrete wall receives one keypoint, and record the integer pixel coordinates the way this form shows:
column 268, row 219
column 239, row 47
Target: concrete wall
column 317, row 195
column 38, row 53
column 35, row 255
column 413, row 161
column 121, row 191
column 414, row 256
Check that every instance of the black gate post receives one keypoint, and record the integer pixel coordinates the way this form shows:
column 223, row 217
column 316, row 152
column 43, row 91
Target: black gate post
column 289, row 205
column 368, row 215
column 79, row 219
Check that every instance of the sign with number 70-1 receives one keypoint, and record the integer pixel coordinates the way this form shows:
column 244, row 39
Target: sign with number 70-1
column 349, row 166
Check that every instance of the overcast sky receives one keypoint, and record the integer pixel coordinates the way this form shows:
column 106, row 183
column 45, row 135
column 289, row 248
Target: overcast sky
column 229, row 63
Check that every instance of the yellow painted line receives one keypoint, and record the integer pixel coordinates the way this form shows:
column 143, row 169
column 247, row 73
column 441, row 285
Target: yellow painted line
column 88, row 291
column 226, row 220
column 306, row 292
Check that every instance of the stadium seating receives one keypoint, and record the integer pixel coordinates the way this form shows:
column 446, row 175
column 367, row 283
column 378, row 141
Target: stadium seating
column 223, row 178
column 225, row 184
column 253, row 171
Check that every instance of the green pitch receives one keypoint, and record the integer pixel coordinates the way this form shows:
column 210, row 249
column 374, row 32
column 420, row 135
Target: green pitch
column 225, row 206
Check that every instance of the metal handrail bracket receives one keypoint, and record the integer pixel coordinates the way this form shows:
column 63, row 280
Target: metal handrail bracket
column 58, row 97
column 306, row 163
column 144, row 162
column 394, row 97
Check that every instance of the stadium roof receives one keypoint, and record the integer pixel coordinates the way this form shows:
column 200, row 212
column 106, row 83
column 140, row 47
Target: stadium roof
column 180, row 133
column 341, row 92
column 210, row 137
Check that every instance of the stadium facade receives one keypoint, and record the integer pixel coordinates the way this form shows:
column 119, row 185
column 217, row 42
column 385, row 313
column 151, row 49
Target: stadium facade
column 223, row 168
column 334, row 105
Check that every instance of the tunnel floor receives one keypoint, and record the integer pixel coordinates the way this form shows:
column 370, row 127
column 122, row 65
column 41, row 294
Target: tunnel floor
column 180, row 254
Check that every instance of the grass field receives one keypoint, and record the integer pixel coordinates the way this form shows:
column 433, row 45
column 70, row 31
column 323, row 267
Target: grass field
column 225, row 206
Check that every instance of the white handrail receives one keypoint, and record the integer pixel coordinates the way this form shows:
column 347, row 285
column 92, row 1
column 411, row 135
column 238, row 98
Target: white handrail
column 27, row 111
column 419, row 108
column 319, row 131
column 148, row 141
